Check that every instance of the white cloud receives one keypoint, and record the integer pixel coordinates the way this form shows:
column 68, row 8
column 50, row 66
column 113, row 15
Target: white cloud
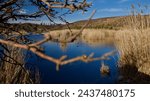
column 111, row 10
column 22, row 11
column 122, row 1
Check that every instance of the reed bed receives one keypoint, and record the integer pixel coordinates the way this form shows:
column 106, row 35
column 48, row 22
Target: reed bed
column 134, row 48
column 62, row 34
column 88, row 35
column 12, row 67
column 97, row 35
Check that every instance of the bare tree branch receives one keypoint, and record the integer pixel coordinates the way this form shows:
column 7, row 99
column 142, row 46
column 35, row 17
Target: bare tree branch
column 60, row 61
column 8, row 3
column 73, row 38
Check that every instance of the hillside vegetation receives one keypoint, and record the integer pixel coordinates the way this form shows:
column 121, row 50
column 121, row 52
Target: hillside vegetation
column 100, row 23
column 114, row 23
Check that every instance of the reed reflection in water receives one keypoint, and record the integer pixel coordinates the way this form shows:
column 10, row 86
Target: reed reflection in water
column 77, row 72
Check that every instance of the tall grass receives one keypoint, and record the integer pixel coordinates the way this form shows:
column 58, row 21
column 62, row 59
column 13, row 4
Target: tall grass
column 134, row 45
column 134, row 48
column 12, row 67
column 62, row 35
column 97, row 35
column 88, row 35
column 139, row 17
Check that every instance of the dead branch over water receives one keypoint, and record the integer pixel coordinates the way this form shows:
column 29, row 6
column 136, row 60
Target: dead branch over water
column 33, row 47
column 61, row 60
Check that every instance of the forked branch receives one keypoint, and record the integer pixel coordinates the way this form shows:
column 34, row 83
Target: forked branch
column 61, row 60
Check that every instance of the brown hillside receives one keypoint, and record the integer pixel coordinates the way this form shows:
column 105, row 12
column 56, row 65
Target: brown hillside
column 103, row 23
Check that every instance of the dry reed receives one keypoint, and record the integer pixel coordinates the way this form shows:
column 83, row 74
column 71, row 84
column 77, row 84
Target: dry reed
column 12, row 67
column 62, row 34
column 134, row 48
column 88, row 35
column 98, row 35
column 134, row 43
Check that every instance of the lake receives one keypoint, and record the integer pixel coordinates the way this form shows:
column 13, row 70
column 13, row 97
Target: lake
column 77, row 72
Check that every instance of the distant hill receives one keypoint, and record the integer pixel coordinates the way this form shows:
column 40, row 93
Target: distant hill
column 34, row 28
column 103, row 23
column 100, row 23
column 113, row 22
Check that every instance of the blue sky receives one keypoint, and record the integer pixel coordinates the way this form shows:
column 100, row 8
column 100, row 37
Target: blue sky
column 105, row 8
column 108, row 8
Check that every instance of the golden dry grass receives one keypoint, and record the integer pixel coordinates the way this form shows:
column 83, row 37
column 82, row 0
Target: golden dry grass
column 97, row 34
column 61, row 34
column 12, row 67
column 88, row 35
column 134, row 48
column 134, row 44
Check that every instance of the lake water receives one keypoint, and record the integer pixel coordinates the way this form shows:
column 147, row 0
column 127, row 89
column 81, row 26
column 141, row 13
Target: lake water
column 77, row 72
